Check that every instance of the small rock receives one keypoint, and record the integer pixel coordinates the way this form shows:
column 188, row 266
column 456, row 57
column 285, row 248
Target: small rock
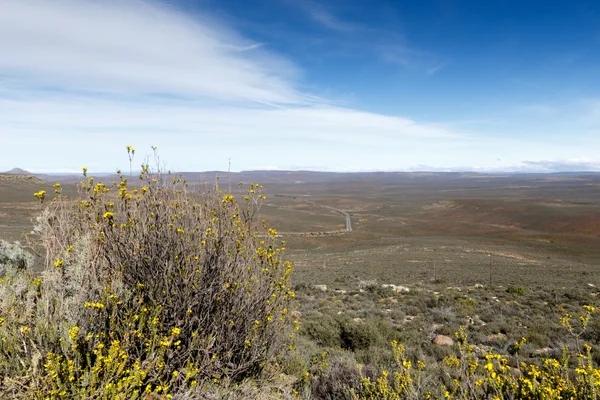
column 435, row 327
column 386, row 300
column 401, row 289
column 339, row 291
column 478, row 286
column 322, row 288
column 296, row 314
column 494, row 337
column 357, row 319
column 396, row 288
column 542, row 352
column 443, row 340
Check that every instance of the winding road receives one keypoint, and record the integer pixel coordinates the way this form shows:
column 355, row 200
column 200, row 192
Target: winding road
column 344, row 213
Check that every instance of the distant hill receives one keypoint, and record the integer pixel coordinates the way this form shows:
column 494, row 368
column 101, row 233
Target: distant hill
column 17, row 171
column 317, row 177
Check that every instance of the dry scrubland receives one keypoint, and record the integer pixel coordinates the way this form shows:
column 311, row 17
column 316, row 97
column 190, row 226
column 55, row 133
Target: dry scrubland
column 506, row 267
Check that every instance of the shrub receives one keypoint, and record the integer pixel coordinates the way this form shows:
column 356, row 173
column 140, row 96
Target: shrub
column 13, row 257
column 469, row 376
column 324, row 330
column 145, row 289
column 357, row 335
column 338, row 382
column 516, row 290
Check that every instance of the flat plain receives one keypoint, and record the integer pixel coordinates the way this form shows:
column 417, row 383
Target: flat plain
column 454, row 228
column 460, row 229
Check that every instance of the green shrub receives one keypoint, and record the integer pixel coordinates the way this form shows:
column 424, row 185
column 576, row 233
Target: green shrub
column 357, row 335
column 516, row 290
column 324, row 330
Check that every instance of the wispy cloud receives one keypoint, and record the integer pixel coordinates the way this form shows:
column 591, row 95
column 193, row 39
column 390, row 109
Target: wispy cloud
column 569, row 165
column 325, row 17
column 77, row 72
column 136, row 46
column 398, row 52
column 388, row 45
column 537, row 110
column 330, row 21
column 194, row 136
column 79, row 79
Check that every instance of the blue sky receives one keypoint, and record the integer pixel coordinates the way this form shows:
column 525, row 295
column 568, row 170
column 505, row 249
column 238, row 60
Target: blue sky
column 338, row 85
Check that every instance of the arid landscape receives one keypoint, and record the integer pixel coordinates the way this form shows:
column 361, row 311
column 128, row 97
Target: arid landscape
column 500, row 257
column 536, row 229
column 299, row 200
column 416, row 227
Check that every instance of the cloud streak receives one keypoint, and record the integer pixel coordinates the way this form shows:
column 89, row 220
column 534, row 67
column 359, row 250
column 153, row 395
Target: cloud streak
column 136, row 46
column 387, row 45
column 80, row 79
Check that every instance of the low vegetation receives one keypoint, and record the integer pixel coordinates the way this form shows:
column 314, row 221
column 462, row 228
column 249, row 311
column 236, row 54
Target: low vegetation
column 144, row 289
column 377, row 343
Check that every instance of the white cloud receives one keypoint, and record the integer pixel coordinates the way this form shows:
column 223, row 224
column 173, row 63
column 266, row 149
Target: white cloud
column 68, row 133
column 317, row 135
column 575, row 164
column 398, row 52
column 80, row 79
column 136, row 46
column 537, row 110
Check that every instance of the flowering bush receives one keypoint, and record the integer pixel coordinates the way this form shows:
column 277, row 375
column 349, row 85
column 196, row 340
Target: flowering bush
column 470, row 375
column 144, row 289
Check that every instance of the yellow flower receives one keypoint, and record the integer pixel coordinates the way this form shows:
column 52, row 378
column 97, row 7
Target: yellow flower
column 40, row 195
column 73, row 332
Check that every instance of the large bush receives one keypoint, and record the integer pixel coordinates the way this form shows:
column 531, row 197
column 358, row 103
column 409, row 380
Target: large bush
column 145, row 288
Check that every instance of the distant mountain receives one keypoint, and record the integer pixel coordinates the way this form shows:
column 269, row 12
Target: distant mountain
column 17, row 171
